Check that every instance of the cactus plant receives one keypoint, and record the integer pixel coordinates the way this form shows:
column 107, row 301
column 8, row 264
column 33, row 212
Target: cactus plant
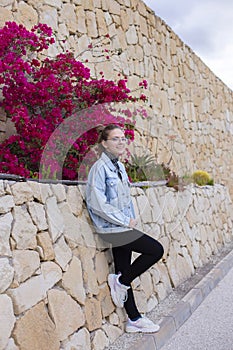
column 202, row 178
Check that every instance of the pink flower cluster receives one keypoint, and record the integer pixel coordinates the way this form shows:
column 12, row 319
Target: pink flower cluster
column 39, row 95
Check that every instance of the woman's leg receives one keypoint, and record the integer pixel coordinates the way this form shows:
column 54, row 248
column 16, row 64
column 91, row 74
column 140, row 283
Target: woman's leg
column 151, row 252
column 122, row 260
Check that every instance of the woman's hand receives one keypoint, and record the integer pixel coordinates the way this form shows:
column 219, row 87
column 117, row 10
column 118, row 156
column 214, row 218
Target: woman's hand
column 133, row 222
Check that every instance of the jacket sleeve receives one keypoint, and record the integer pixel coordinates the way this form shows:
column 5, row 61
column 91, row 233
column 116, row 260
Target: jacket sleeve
column 97, row 202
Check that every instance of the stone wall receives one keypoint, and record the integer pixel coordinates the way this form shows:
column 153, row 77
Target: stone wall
column 53, row 269
column 185, row 99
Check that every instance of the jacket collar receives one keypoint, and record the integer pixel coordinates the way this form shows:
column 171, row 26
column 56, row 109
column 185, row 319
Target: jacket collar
column 108, row 161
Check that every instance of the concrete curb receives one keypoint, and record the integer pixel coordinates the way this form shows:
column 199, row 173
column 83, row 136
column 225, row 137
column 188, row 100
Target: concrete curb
column 184, row 309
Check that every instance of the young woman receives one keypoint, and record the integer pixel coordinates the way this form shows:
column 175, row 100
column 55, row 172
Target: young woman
column 110, row 207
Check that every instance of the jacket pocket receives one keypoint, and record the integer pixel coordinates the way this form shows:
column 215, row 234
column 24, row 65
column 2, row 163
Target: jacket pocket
column 111, row 188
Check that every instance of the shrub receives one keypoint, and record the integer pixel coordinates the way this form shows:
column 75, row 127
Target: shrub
column 202, row 178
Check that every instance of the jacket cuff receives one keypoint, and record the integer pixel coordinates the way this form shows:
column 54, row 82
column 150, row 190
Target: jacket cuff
column 127, row 221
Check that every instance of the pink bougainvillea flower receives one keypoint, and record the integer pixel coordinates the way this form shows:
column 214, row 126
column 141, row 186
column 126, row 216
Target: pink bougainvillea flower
column 40, row 94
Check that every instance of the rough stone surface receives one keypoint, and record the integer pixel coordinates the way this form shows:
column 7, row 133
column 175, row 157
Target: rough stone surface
column 68, row 322
column 45, row 243
column 151, row 50
column 25, row 263
column 79, row 340
column 7, row 320
column 5, row 232
column 22, row 192
column 6, row 274
column 93, row 314
column 65, row 266
column 55, row 219
column 36, row 330
column 75, row 286
column 6, row 204
column 100, row 340
column 34, row 290
column 23, row 230
column 66, row 270
column 37, row 213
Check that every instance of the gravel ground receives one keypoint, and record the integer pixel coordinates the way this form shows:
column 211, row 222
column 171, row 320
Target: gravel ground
column 165, row 307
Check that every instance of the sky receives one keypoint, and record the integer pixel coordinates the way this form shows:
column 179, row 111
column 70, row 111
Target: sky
column 206, row 26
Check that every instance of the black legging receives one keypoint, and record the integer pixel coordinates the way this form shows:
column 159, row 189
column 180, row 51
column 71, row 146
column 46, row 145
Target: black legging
column 151, row 252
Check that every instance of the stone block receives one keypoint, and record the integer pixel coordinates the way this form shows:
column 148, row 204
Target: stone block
column 93, row 314
column 11, row 345
column 35, row 330
column 63, row 253
column 25, row 263
column 72, row 226
column 37, row 213
column 74, row 200
column 59, row 192
column 132, row 36
column 33, row 291
column 101, row 267
column 91, row 23
column 81, row 23
column 7, row 320
column 6, row 204
column 100, row 340
column 26, row 15
column 23, row 230
column 68, row 16
column 112, row 332
column 107, row 306
column 44, row 242
column 55, row 219
column 22, row 192
column 89, row 274
column 65, row 312
column 79, row 340
column 5, row 232
column 72, row 281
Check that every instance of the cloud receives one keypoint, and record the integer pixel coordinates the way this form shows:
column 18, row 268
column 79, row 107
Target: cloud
column 198, row 20
column 170, row 11
column 222, row 66
column 205, row 26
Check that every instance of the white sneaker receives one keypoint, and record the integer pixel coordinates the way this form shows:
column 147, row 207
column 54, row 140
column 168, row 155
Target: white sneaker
column 142, row 325
column 118, row 291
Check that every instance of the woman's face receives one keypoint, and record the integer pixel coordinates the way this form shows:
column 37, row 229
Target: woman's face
column 116, row 142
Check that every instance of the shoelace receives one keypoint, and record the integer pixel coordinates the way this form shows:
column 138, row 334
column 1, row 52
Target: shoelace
column 123, row 293
column 124, row 296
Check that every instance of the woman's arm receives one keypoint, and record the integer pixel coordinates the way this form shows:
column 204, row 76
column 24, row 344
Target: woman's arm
column 97, row 201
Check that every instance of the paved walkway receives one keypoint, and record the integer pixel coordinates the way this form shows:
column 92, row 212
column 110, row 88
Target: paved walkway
column 210, row 327
column 203, row 319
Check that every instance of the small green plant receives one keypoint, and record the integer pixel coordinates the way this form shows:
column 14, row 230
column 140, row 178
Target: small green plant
column 176, row 181
column 144, row 168
column 136, row 167
column 202, row 178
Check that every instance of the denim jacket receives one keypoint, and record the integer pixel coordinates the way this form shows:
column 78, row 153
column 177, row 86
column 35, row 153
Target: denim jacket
column 108, row 197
